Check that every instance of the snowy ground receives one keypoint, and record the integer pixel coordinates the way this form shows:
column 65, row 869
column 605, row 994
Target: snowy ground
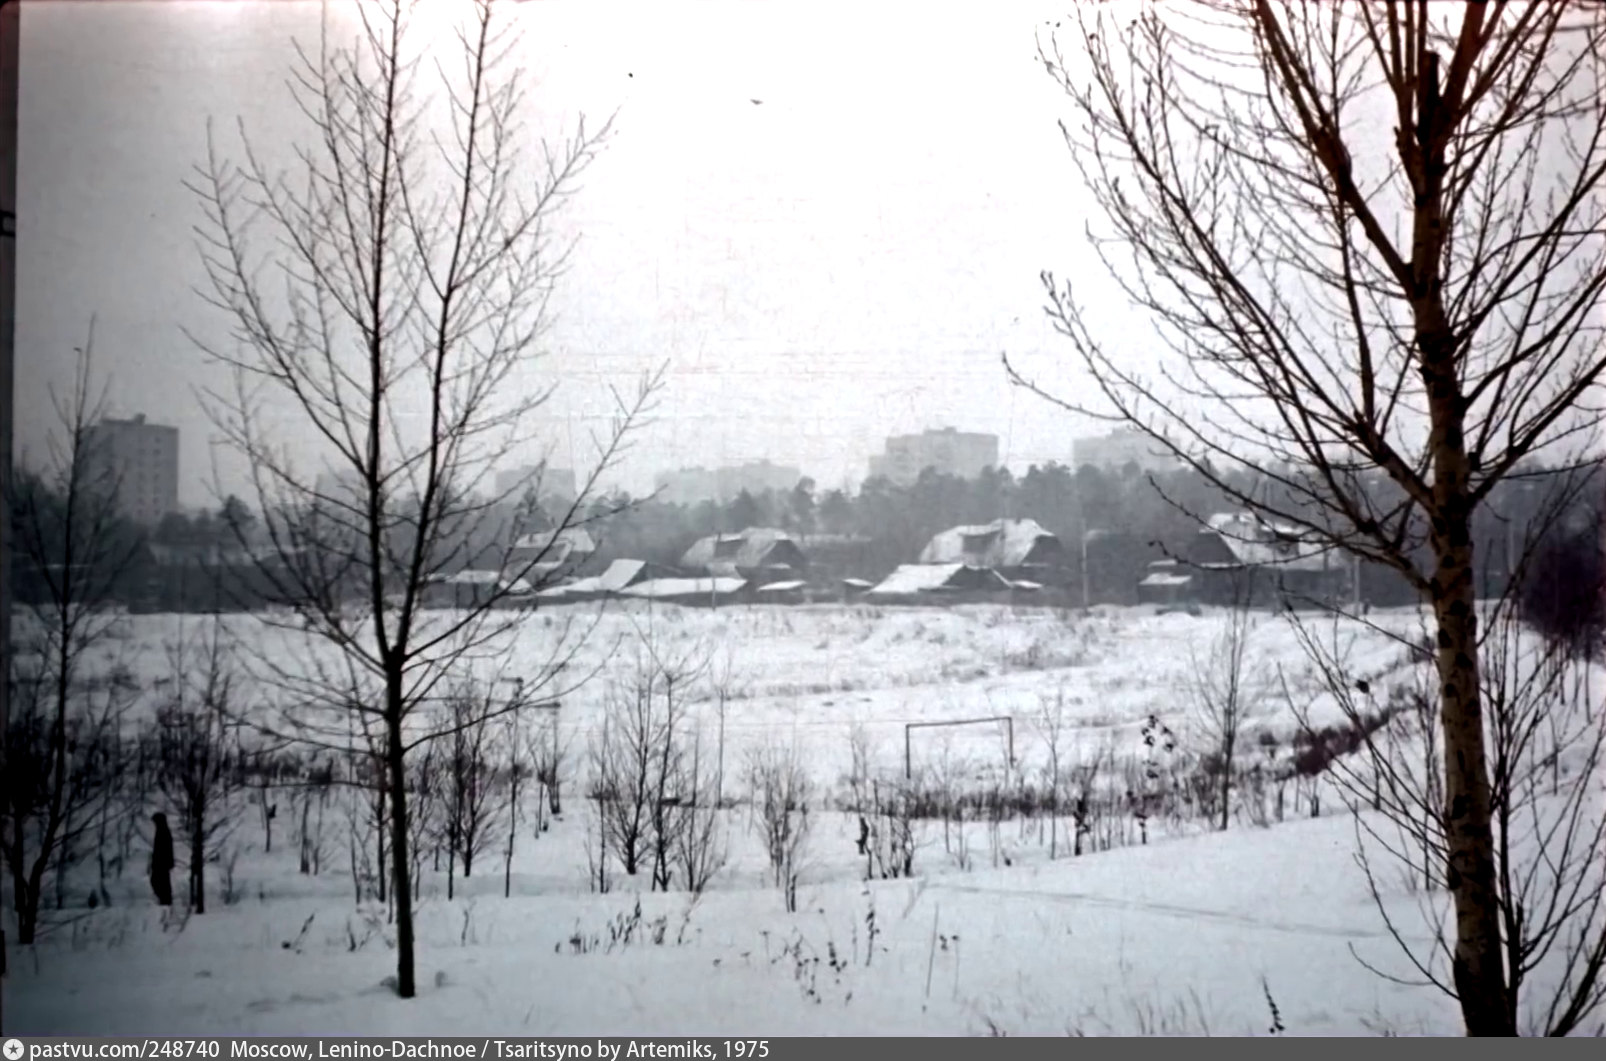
column 1185, row 935
column 1175, row 938
column 810, row 675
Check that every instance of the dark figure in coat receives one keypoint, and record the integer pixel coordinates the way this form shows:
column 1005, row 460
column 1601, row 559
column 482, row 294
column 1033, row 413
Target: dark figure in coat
column 162, row 861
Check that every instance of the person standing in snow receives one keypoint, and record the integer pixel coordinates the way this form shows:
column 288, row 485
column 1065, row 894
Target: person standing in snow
column 162, row 861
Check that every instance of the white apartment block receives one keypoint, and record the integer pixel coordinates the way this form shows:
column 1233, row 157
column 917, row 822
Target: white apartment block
column 947, row 451
column 138, row 463
column 1111, row 453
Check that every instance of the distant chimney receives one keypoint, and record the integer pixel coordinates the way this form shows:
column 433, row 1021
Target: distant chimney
column 139, row 418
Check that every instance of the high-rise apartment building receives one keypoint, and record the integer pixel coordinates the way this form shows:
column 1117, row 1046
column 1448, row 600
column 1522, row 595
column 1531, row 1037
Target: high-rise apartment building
column 947, row 451
column 688, row 486
column 1111, row 453
column 136, row 461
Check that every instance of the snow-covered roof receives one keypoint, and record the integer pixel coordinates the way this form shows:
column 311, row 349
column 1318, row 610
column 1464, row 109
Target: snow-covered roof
column 481, row 578
column 1025, row 584
column 1001, row 543
column 751, row 548
column 619, row 575
column 782, row 587
column 935, row 578
column 566, row 540
column 682, row 587
column 1255, row 542
column 1161, row 579
column 471, row 577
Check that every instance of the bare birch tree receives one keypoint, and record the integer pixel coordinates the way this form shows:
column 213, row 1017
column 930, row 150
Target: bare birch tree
column 386, row 295
column 1378, row 328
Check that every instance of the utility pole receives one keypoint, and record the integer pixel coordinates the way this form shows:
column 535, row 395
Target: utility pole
column 1086, row 534
column 10, row 30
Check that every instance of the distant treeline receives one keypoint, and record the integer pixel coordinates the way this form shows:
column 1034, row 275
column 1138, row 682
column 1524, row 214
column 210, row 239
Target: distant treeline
column 1139, row 517
column 195, row 563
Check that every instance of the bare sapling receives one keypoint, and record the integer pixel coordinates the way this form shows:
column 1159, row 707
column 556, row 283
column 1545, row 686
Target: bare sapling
column 472, row 806
column 1225, row 689
column 518, row 771
column 782, row 792
column 700, row 846
column 548, row 752
column 638, row 770
column 1051, row 724
column 1084, row 799
column 382, row 305
column 197, row 749
column 891, row 821
column 858, row 782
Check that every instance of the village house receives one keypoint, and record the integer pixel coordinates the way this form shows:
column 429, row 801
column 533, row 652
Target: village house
column 1166, row 583
column 1018, row 549
column 760, row 555
column 1238, row 555
column 546, row 556
column 614, row 580
column 933, row 583
column 697, row 592
column 473, row 589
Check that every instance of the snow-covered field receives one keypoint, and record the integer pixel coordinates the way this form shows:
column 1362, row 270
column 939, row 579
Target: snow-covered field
column 810, row 675
column 1186, row 934
column 1173, row 938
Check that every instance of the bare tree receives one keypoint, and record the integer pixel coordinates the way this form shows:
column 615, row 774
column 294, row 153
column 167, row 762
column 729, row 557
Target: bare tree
column 1224, row 688
column 1379, row 330
column 700, row 844
column 621, row 761
column 518, row 771
column 197, row 761
column 71, row 550
column 781, row 792
column 547, row 752
column 1051, row 726
column 1550, row 855
column 386, row 299
column 638, row 765
column 471, row 809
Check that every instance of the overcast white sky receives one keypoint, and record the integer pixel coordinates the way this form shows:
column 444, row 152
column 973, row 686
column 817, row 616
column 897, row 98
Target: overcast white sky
column 842, row 261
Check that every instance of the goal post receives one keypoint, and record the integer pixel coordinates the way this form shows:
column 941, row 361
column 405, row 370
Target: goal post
column 910, row 727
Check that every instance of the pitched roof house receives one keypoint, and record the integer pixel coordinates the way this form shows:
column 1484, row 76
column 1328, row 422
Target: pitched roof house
column 938, row 580
column 700, row 592
column 757, row 554
column 544, row 555
column 1253, row 542
column 1008, row 545
column 472, row 589
column 1237, row 553
column 618, row 577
